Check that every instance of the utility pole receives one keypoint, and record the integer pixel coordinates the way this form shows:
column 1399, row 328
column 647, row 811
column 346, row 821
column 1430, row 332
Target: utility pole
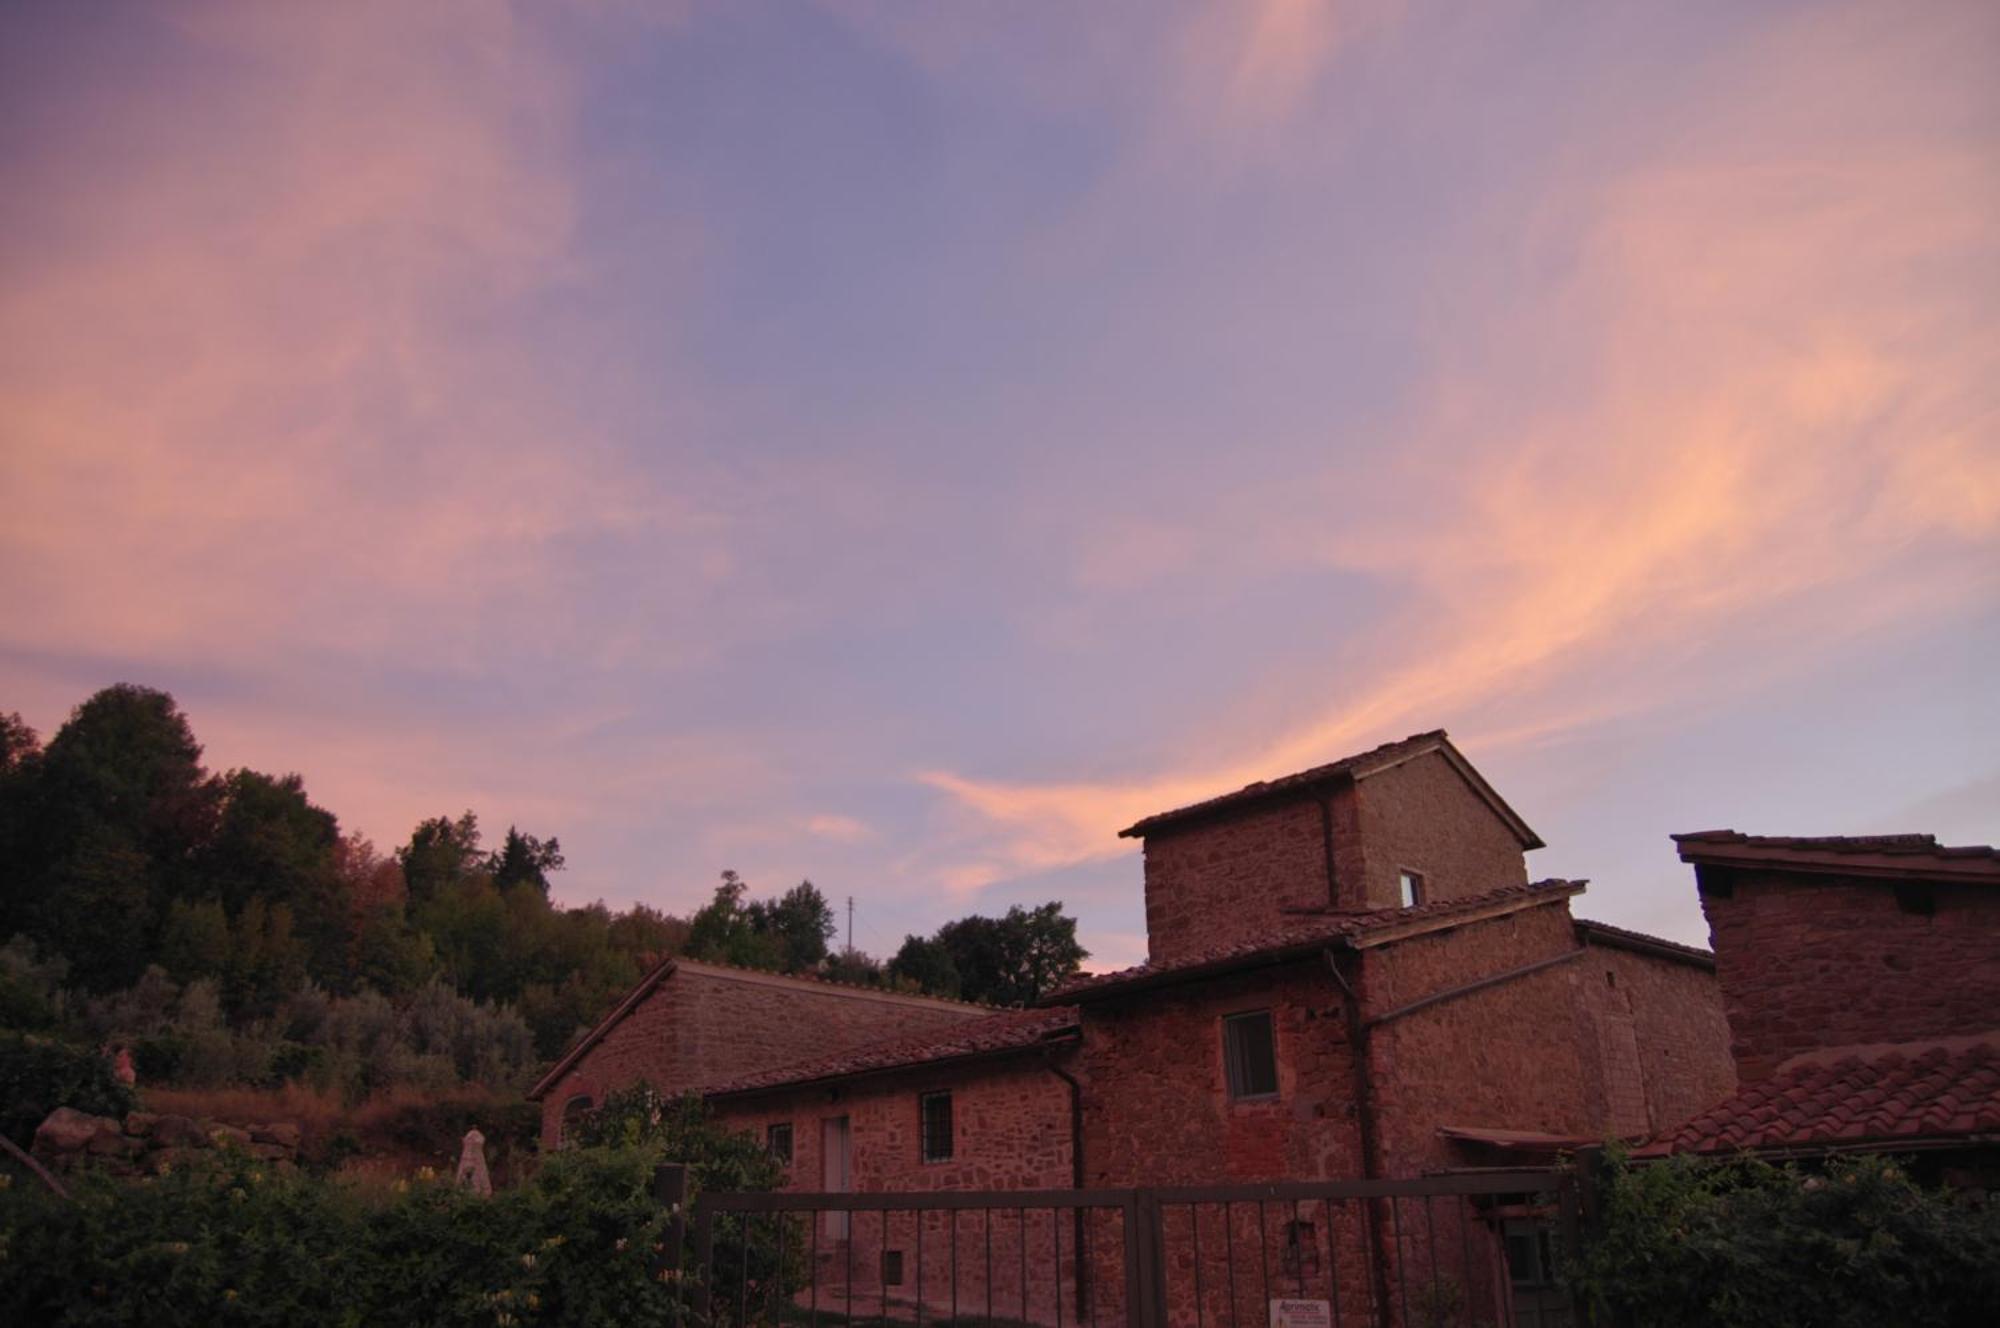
column 850, row 924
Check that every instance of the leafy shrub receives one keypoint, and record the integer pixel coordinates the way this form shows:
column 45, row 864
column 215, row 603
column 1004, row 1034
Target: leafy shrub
column 37, row 1075
column 232, row 1243
column 1742, row 1242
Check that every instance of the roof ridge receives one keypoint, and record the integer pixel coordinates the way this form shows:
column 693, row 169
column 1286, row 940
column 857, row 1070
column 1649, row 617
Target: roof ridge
column 823, row 981
column 1017, row 1029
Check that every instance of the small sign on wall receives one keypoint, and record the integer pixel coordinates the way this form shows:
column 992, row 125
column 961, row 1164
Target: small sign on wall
column 1301, row 1314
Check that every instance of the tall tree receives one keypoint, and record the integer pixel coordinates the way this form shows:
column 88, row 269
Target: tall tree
column 925, row 963
column 440, row 852
column 1016, row 959
column 725, row 932
column 524, row 859
column 800, row 921
column 20, row 750
column 119, row 808
column 272, row 843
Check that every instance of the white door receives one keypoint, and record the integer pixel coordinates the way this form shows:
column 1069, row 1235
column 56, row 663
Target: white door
column 835, row 1176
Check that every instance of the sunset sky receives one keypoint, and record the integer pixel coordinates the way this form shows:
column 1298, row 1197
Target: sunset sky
column 899, row 445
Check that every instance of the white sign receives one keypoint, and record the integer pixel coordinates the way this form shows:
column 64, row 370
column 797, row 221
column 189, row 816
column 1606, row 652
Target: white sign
column 1301, row 1314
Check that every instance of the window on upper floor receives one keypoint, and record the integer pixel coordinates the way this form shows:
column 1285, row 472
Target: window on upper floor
column 778, row 1141
column 934, row 1117
column 1250, row 1054
column 1412, row 885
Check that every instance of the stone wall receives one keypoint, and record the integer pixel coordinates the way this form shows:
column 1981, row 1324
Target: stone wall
column 1422, row 816
column 1662, row 1039
column 1226, row 879
column 1808, row 961
column 1011, row 1131
column 706, row 1024
column 147, row 1144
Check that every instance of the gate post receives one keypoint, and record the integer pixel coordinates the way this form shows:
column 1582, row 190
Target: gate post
column 670, row 1191
column 1145, row 1265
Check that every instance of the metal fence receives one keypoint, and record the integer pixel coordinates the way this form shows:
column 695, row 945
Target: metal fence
column 1474, row 1250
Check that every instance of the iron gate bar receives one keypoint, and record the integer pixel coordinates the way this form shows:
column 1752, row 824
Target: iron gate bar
column 1194, row 1225
column 1332, row 1267
column 1055, row 1232
column 1402, row 1264
column 1021, row 1221
column 989, row 1263
column 1485, row 1182
column 1465, row 1255
column 1229, row 1255
column 1264, row 1250
column 918, row 1217
column 804, row 1201
column 1431, row 1241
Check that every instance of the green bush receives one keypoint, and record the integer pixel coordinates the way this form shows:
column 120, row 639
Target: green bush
column 233, row 1243
column 37, row 1075
column 1742, row 1242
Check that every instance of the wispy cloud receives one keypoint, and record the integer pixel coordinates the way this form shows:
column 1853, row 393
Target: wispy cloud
column 1772, row 404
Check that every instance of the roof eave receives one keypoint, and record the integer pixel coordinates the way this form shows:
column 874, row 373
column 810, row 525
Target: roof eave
column 1059, row 1037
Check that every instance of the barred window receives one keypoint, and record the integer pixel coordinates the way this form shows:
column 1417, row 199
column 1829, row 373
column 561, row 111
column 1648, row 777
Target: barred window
column 778, row 1140
column 1250, row 1054
column 934, row 1111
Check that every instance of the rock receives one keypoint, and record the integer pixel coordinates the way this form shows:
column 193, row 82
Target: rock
column 284, row 1135
column 68, row 1130
column 178, row 1132
column 228, row 1136
column 106, row 1144
column 141, row 1123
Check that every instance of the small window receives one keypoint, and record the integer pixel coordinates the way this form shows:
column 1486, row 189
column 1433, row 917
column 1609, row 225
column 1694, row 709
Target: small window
column 934, row 1110
column 573, row 1113
column 778, row 1139
column 1250, row 1054
column 1412, row 884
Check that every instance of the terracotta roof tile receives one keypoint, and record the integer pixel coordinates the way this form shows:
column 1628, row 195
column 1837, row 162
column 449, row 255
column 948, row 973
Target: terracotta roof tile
column 1603, row 933
column 1263, row 788
column 995, row 1034
column 1894, row 1092
column 1919, row 856
column 1311, row 932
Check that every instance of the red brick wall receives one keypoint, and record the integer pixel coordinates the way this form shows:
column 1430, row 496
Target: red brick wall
column 1011, row 1131
column 1221, row 881
column 1156, row 1106
column 1423, row 816
column 1505, row 1057
column 1229, row 878
column 1663, row 1043
column 1826, row 961
column 705, row 1025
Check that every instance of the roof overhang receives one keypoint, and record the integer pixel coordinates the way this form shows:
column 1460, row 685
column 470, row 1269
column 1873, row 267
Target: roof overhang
column 1059, row 1038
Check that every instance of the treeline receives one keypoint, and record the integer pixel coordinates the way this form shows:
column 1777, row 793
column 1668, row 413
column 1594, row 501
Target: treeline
column 224, row 927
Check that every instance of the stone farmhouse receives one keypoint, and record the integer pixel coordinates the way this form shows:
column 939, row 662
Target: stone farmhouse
column 1350, row 975
column 1861, row 979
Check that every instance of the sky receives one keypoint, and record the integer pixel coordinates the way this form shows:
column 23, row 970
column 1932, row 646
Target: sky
column 899, row 445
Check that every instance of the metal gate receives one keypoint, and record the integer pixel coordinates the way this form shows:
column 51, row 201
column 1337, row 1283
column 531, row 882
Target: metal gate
column 1477, row 1250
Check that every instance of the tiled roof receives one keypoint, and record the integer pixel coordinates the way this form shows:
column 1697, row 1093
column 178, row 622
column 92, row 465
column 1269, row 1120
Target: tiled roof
column 1603, row 933
column 667, row 967
column 1357, row 766
column 1886, row 855
column 1893, row 1093
column 1317, row 931
column 995, row 1034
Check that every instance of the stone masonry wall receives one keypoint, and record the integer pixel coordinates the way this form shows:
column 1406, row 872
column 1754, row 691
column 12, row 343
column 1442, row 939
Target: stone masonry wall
column 1223, row 880
column 704, row 1025
column 1663, row 1041
column 1504, row 1057
column 1011, row 1131
column 1829, row 961
column 1422, row 816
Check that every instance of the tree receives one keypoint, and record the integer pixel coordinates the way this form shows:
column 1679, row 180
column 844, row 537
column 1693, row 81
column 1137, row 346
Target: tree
column 440, row 851
column 20, row 750
column 194, row 943
column 1016, row 959
column 800, row 921
column 524, row 858
column 111, row 819
column 926, row 964
column 272, row 843
column 723, row 931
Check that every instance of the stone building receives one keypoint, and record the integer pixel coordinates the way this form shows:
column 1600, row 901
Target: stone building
column 1861, row 979
column 1349, row 975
